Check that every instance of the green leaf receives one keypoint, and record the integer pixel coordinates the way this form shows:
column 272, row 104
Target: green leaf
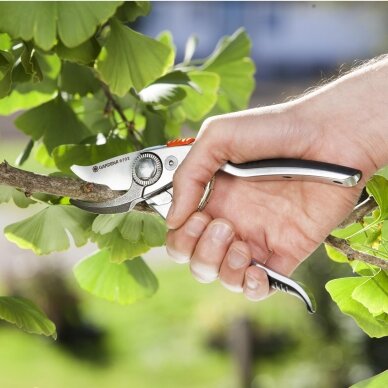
column 131, row 10
column 231, row 62
column 73, row 22
column 5, row 42
column 373, row 293
column 42, row 156
column 123, row 283
column 26, row 316
column 83, row 54
column 54, row 122
column 84, row 155
column 378, row 381
column 199, row 102
column 383, row 172
column 94, row 114
column 6, row 67
column 48, row 231
column 20, row 200
column 131, row 59
column 167, row 89
column 128, row 235
column 378, row 187
column 30, row 63
column 78, row 79
column 341, row 291
column 30, row 94
column 133, row 226
column 336, row 255
column 118, row 247
column 166, row 38
column 153, row 133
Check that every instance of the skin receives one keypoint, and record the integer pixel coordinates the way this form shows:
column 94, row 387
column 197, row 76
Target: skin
column 277, row 223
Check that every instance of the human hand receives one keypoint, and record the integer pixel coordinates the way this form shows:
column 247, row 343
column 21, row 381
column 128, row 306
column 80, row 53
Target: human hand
column 277, row 223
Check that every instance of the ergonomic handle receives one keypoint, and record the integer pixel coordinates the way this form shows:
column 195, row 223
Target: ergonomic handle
column 295, row 169
column 285, row 284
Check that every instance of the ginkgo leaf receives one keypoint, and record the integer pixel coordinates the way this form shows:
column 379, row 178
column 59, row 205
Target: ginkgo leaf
column 130, row 59
column 20, row 200
column 167, row 89
column 48, row 231
column 131, row 10
column 128, row 235
column 78, row 79
column 6, row 68
column 231, row 61
column 378, row 381
column 123, row 283
column 373, row 293
column 26, row 316
column 133, row 226
column 84, row 54
column 378, row 187
column 199, row 102
column 41, row 21
column 119, row 248
column 54, row 122
column 341, row 291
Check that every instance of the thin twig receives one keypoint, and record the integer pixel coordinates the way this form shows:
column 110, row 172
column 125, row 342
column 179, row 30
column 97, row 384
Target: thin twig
column 343, row 246
column 129, row 124
column 359, row 212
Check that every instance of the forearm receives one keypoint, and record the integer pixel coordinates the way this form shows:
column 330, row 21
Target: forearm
column 355, row 105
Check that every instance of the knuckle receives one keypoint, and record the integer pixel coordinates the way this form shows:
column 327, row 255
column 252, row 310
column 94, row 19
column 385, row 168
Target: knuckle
column 209, row 127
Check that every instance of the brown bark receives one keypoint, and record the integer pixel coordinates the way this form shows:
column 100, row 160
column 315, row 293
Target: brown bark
column 343, row 246
column 31, row 183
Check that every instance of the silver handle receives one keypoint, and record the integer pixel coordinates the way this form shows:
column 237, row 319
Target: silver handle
column 295, row 169
column 292, row 287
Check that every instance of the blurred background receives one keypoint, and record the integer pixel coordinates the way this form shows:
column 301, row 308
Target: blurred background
column 190, row 334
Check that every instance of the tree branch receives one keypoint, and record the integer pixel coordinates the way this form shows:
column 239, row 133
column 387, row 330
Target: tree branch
column 342, row 245
column 31, row 183
column 359, row 212
column 74, row 188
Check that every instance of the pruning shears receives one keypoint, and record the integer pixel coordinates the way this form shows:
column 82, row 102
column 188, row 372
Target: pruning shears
column 147, row 176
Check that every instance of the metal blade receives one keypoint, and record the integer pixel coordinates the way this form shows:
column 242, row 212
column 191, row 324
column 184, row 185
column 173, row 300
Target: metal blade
column 116, row 173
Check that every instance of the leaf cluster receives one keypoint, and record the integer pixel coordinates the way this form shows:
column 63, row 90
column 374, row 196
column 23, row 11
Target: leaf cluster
column 90, row 88
column 365, row 297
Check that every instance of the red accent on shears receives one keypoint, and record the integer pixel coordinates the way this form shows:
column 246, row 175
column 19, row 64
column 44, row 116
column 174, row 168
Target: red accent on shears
column 180, row 142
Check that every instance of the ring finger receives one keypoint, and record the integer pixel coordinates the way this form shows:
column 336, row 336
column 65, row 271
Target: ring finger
column 211, row 249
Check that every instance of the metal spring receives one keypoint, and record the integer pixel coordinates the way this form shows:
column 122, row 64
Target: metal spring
column 279, row 286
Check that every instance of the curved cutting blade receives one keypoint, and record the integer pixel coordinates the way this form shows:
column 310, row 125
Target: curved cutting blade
column 115, row 173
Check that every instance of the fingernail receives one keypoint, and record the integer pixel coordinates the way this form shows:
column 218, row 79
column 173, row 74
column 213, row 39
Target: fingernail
column 195, row 226
column 203, row 273
column 221, row 232
column 237, row 259
column 178, row 257
column 252, row 283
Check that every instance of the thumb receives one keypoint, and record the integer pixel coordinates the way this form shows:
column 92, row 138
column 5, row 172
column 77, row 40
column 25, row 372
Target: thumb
column 238, row 137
